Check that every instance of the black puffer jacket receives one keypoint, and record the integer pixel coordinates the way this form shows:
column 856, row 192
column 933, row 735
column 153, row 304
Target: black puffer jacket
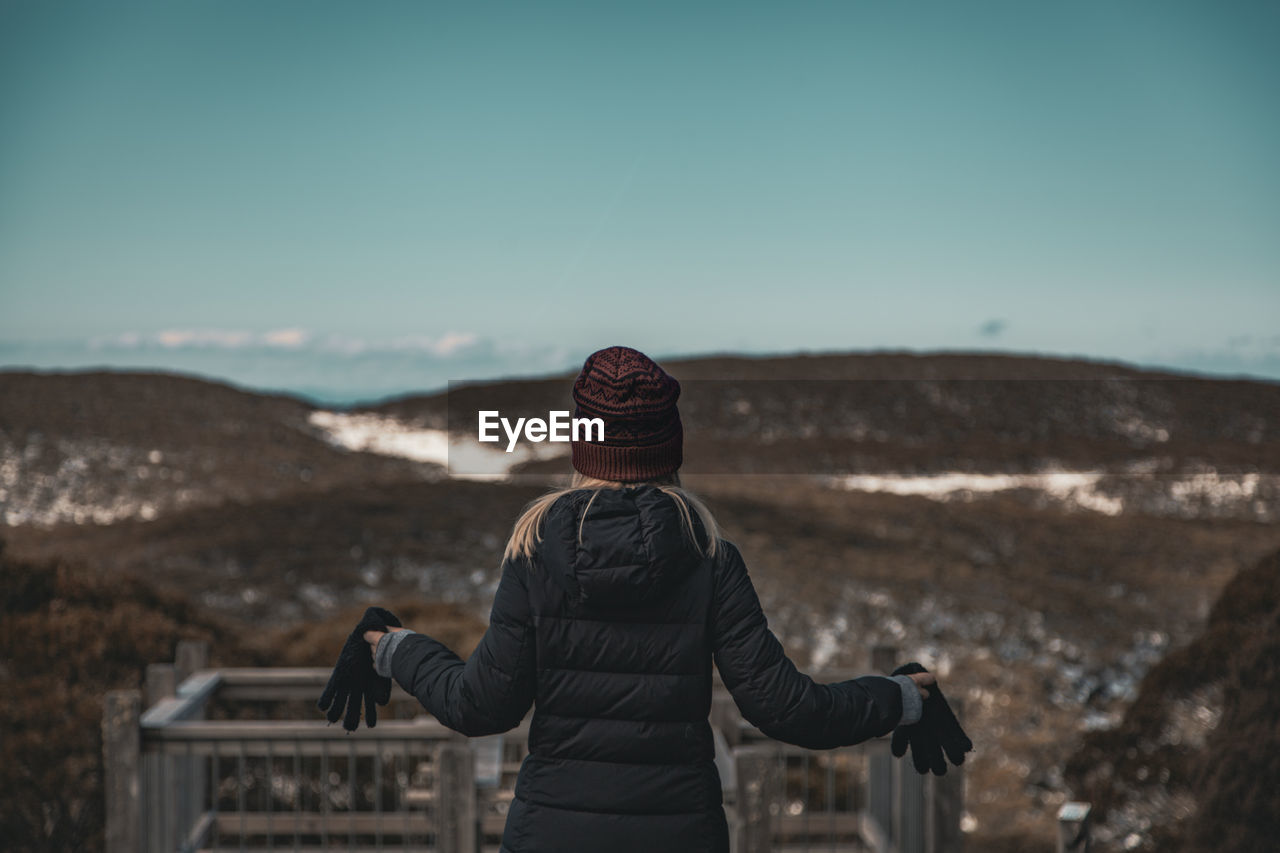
column 612, row 636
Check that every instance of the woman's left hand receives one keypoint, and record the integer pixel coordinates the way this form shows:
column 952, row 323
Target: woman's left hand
column 372, row 638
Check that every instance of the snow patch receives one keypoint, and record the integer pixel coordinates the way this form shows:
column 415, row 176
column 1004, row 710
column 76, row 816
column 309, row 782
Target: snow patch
column 1077, row 487
column 384, row 435
column 461, row 457
column 1203, row 493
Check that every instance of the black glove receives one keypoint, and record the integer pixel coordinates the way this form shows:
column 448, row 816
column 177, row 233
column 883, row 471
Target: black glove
column 937, row 732
column 354, row 679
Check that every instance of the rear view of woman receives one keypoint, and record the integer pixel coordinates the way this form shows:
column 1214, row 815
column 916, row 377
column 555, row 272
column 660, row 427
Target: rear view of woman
column 616, row 595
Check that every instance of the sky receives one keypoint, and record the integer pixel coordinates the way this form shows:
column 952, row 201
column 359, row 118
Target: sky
column 351, row 201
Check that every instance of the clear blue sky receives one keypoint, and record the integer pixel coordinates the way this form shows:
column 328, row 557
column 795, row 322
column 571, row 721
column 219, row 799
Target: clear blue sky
column 355, row 198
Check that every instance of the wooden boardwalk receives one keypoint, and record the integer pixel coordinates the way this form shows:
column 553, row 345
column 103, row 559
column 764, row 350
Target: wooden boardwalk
column 178, row 782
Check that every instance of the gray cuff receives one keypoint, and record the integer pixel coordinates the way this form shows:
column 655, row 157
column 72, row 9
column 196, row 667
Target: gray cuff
column 387, row 650
column 912, row 704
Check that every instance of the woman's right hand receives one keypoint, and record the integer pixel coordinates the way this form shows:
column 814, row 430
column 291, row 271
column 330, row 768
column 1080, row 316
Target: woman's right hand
column 921, row 679
column 372, row 638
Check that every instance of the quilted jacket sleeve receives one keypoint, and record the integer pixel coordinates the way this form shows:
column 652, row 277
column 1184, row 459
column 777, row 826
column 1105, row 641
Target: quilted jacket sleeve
column 493, row 690
column 772, row 695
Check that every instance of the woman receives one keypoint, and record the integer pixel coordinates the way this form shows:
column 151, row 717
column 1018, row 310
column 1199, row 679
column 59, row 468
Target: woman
column 616, row 595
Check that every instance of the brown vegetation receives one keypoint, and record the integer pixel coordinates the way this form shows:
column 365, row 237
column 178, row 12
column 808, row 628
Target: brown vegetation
column 70, row 633
column 1197, row 757
column 269, row 541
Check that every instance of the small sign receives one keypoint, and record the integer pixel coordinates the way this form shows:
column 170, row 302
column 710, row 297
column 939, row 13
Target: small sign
column 1073, row 812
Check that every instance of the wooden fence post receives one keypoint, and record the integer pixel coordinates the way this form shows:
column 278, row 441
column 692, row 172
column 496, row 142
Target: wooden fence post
column 1073, row 828
column 909, row 807
column 162, row 682
column 455, row 798
column 190, row 656
column 156, row 769
column 880, row 763
column 188, row 776
column 759, row 788
column 944, row 802
column 121, row 745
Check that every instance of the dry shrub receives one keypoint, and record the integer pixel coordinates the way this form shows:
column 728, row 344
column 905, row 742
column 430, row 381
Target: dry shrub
column 318, row 643
column 68, row 635
column 1232, row 778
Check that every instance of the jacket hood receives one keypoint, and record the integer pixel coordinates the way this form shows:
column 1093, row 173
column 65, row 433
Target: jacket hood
column 633, row 545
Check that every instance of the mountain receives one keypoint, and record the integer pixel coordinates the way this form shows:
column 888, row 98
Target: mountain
column 104, row 446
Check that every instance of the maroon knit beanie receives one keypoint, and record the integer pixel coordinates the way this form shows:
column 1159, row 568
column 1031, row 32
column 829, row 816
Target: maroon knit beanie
column 636, row 399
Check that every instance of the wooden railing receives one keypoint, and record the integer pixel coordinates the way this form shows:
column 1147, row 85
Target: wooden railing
column 176, row 781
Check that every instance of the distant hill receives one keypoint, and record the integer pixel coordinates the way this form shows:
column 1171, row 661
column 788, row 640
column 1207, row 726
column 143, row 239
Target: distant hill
column 102, row 446
column 920, row 414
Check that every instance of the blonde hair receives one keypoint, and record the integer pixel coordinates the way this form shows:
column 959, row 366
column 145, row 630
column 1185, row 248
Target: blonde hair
column 527, row 531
